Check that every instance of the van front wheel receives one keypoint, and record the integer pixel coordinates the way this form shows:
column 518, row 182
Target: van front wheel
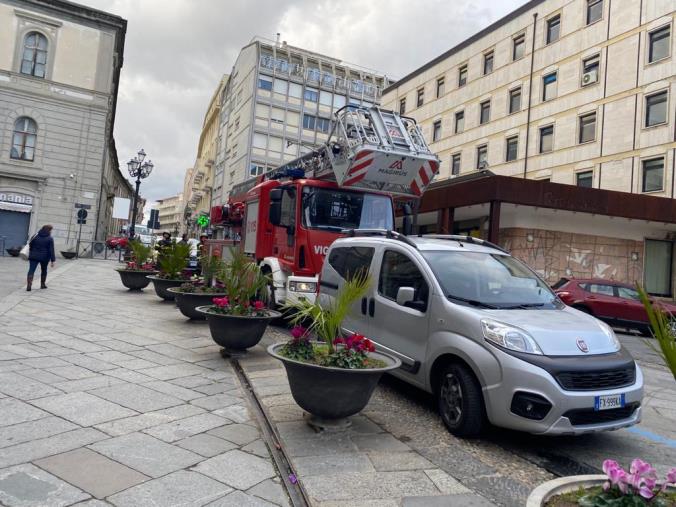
column 460, row 401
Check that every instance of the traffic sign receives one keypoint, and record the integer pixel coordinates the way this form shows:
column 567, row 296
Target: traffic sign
column 203, row 221
column 82, row 213
column 83, row 206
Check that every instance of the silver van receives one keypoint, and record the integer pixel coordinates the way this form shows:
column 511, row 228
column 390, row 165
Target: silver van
column 482, row 332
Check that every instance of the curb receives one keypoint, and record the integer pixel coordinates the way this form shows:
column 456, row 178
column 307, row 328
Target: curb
column 545, row 491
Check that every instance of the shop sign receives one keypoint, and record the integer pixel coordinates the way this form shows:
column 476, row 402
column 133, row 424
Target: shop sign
column 16, row 198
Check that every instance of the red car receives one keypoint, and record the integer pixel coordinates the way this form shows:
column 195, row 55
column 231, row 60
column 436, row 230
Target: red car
column 117, row 242
column 615, row 303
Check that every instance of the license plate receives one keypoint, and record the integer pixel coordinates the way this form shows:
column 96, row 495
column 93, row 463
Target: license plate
column 608, row 402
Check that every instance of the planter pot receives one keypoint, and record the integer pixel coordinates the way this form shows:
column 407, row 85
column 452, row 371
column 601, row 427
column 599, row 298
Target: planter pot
column 134, row 279
column 329, row 393
column 162, row 285
column 14, row 252
column 68, row 255
column 236, row 333
column 187, row 302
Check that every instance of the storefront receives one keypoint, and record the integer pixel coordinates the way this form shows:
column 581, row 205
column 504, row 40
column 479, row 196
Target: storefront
column 15, row 217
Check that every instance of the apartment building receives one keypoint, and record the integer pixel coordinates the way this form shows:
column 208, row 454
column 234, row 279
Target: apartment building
column 59, row 72
column 170, row 212
column 279, row 101
column 574, row 92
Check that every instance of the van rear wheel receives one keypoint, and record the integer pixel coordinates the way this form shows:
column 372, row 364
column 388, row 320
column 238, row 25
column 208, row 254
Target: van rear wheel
column 460, row 401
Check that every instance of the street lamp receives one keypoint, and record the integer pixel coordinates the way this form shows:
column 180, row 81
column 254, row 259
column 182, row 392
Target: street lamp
column 140, row 170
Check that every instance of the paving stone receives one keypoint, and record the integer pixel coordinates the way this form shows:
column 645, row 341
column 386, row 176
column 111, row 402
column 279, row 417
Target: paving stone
column 178, row 489
column 465, row 500
column 17, row 386
column 119, row 346
column 379, row 442
column 83, row 408
column 146, row 454
column 240, row 434
column 173, row 371
column 177, row 391
column 89, row 362
column 28, row 486
column 445, row 483
column 320, row 445
column 216, row 402
column 502, row 489
column 258, row 448
column 41, row 376
column 272, row 491
column 44, row 362
column 15, row 411
column 354, row 486
column 92, row 503
column 237, row 469
column 215, row 388
column 129, row 375
column 40, row 448
column 86, row 384
column 31, row 430
column 206, row 445
column 192, row 382
column 240, row 499
column 236, row 413
column 92, row 472
column 392, row 461
column 155, row 357
column 83, row 346
column 365, row 503
column 183, row 428
column 72, row 372
column 122, row 359
column 137, row 397
column 332, row 464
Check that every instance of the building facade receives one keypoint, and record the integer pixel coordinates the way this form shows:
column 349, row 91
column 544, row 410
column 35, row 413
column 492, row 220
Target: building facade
column 113, row 184
column 59, row 73
column 279, row 101
column 170, row 211
column 575, row 92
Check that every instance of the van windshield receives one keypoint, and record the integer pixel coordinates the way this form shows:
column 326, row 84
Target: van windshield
column 490, row 281
column 335, row 209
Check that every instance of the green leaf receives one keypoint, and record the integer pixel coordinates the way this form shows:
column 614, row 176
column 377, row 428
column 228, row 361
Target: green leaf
column 660, row 325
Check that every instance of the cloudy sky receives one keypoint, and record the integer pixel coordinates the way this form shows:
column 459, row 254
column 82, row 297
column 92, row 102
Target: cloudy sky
column 177, row 50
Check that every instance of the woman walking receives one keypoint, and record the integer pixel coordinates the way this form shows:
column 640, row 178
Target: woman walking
column 41, row 252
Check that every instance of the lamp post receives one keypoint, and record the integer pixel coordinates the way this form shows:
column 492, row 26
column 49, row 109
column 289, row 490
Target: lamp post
column 140, row 170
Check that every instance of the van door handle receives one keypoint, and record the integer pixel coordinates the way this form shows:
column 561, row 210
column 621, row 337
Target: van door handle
column 372, row 307
column 363, row 306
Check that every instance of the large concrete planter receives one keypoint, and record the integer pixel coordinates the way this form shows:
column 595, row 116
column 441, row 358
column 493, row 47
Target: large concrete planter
column 187, row 302
column 331, row 393
column 135, row 279
column 162, row 285
column 236, row 333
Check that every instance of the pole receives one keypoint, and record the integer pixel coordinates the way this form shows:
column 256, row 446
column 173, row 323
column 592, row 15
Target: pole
column 79, row 233
column 132, row 229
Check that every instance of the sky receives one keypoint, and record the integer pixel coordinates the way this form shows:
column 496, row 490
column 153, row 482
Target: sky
column 177, row 50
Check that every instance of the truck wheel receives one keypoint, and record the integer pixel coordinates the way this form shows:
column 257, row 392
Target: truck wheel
column 460, row 401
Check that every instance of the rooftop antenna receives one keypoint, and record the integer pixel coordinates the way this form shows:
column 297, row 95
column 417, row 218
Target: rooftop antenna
column 277, row 39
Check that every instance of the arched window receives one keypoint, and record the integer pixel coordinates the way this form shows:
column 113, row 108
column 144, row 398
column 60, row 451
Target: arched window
column 34, row 57
column 23, row 141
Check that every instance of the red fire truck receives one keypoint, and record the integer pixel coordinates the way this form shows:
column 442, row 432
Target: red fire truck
column 288, row 217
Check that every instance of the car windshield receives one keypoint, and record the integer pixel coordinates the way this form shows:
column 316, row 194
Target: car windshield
column 338, row 209
column 489, row 280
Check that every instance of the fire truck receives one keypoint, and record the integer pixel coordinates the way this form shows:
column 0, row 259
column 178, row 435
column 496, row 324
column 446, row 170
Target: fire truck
column 288, row 217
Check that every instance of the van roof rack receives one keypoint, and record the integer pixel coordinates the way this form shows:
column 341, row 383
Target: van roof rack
column 464, row 239
column 387, row 233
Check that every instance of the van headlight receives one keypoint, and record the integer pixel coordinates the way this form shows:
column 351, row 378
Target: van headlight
column 296, row 286
column 608, row 331
column 509, row 337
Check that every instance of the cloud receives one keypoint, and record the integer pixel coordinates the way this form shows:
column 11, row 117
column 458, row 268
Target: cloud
column 177, row 50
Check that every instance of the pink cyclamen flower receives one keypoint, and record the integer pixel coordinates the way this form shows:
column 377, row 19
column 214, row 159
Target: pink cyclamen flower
column 646, row 492
column 671, row 476
column 259, row 305
column 642, row 468
column 298, row 331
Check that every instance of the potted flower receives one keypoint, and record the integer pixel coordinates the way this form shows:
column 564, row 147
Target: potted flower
column 134, row 274
column 618, row 488
column 334, row 377
column 237, row 321
column 171, row 261
column 199, row 290
column 69, row 253
column 13, row 250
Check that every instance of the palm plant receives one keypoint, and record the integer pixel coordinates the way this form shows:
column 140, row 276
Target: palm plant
column 140, row 252
column 172, row 260
column 242, row 280
column 661, row 326
column 211, row 266
column 326, row 320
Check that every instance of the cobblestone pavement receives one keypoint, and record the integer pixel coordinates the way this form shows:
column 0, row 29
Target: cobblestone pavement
column 110, row 398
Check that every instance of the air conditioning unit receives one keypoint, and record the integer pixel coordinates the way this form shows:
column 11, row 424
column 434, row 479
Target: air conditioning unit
column 590, row 77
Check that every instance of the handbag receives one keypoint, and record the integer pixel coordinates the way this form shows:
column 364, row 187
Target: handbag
column 25, row 251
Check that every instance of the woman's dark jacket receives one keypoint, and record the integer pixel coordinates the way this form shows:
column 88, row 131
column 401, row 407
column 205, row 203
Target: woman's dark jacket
column 42, row 248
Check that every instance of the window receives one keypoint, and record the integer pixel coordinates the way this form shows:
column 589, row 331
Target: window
column 462, row 76
column 653, row 175
column 323, row 125
column 515, row 101
column 311, row 95
column 325, row 98
column 260, row 141
column 340, row 101
column 440, row 87
column 598, row 288
column 585, row 179
column 594, row 11
column 402, row 106
column 484, row 112
column 23, row 141
column 34, row 58
column 288, row 214
column 420, row 97
column 658, row 261
column 455, row 164
column 396, row 271
column 482, row 156
column 518, row 47
column 309, row 121
column 553, row 29
column 590, row 70
column 277, row 115
column 459, row 122
column 265, row 83
column 512, row 148
column 627, row 293
column 280, row 86
column 488, row 63
column 295, row 90
column 659, row 43
column 546, row 139
column 436, row 131
column 549, row 86
column 256, row 170
column 350, row 261
column 656, row 109
column 587, row 128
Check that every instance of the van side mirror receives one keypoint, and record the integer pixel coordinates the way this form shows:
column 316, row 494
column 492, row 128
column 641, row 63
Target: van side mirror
column 275, row 212
column 405, row 295
column 407, row 222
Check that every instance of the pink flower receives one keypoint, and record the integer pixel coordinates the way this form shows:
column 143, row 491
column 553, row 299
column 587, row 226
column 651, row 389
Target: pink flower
column 221, row 302
column 671, row 476
column 259, row 305
column 298, row 331
column 646, row 492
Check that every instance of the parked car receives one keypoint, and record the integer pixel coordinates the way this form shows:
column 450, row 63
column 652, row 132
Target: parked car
column 616, row 303
column 482, row 332
column 117, row 242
